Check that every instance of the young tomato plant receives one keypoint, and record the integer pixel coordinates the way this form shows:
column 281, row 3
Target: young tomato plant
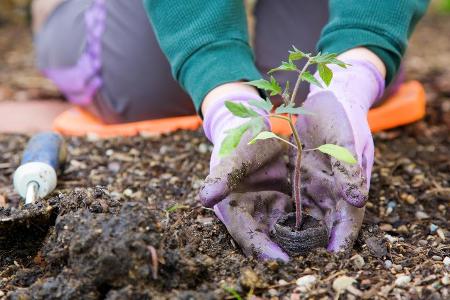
column 286, row 112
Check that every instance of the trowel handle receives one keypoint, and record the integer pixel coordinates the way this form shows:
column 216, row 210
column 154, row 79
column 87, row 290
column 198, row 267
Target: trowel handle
column 41, row 161
column 45, row 147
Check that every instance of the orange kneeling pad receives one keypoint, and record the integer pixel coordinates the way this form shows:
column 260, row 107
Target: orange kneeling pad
column 407, row 105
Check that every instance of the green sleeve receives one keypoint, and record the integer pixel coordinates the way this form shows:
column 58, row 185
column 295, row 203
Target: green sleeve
column 205, row 41
column 382, row 26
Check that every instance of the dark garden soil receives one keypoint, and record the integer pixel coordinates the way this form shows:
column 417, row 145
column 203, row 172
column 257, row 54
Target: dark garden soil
column 125, row 221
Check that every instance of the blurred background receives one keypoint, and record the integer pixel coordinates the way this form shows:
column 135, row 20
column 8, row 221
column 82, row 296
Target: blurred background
column 19, row 80
column 428, row 57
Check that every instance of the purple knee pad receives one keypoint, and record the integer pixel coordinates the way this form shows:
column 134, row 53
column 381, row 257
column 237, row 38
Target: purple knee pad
column 79, row 83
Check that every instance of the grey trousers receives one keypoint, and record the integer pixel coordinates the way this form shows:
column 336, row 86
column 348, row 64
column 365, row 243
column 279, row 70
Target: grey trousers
column 136, row 79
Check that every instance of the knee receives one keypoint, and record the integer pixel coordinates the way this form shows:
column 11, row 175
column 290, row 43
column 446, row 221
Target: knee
column 134, row 103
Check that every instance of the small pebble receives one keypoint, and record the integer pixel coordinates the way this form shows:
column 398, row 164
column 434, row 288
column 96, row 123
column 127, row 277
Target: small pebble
column 436, row 258
column 197, row 184
column 421, row 215
column 398, row 268
column 445, row 280
column 114, row 166
column 2, row 294
column 329, row 267
column 366, row 282
column 92, row 137
column 441, row 207
column 410, row 199
column 163, row 150
column 390, row 238
column 343, row 282
column 273, row 265
column 359, row 261
column 402, row 229
column 134, row 152
column 273, row 292
column 250, row 279
column 205, row 221
column 423, row 242
column 306, row 281
column 441, row 234
column 208, row 261
column 390, row 207
column 402, row 280
column 282, row 282
column 447, row 261
column 128, row 192
column 388, row 264
column 386, row 227
column 433, row 228
column 203, row 148
column 418, row 180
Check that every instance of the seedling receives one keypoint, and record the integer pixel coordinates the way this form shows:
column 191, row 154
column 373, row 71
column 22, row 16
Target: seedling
column 235, row 295
column 286, row 111
column 175, row 207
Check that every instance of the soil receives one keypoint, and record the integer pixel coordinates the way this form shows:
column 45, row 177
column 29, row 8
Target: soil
column 125, row 221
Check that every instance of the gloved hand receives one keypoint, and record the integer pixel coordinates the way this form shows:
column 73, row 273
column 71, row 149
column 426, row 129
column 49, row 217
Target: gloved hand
column 331, row 190
column 248, row 189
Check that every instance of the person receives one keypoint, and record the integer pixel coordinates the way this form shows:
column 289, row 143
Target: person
column 193, row 55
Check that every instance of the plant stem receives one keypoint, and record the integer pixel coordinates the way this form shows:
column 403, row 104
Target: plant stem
column 297, row 178
column 299, row 80
column 298, row 159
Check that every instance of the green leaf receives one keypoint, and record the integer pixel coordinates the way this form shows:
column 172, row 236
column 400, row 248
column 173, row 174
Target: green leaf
column 296, row 54
column 234, row 136
column 272, row 86
column 338, row 152
column 261, row 84
column 325, row 58
column 325, row 73
column 266, row 105
column 256, row 125
column 232, row 139
column 338, row 62
column 307, row 76
column 276, row 88
column 285, row 66
column 264, row 135
column 233, row 293
column 240, row 110
column 176, row 207
column 328, row 58
column 290, row 109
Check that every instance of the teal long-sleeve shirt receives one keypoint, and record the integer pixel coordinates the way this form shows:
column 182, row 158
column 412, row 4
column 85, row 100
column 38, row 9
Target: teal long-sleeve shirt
column 206, row 42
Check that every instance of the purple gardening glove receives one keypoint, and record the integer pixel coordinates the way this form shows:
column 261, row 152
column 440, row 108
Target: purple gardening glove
column 249, row 188
column 333, row 191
